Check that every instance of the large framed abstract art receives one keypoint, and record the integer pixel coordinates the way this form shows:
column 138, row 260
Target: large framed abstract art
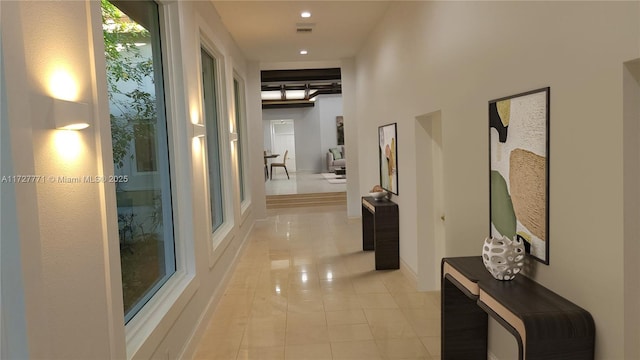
column 388, row 157
column 519, row 170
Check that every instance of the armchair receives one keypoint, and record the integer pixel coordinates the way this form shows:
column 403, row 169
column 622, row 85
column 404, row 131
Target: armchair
column 336, row 158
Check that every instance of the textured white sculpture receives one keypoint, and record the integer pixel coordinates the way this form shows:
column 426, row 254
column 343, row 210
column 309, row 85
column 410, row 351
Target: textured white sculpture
column 503, row 257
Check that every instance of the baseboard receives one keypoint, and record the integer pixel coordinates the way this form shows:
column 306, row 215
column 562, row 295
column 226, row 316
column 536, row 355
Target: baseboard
column 189, row 349
column 353, row 219
column 408, row 272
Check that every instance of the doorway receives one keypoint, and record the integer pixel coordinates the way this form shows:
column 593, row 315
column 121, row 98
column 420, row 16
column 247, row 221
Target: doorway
column 430, row 205
column 283, row 138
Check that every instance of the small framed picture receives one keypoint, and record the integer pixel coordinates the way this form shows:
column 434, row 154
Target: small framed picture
column 388, row 150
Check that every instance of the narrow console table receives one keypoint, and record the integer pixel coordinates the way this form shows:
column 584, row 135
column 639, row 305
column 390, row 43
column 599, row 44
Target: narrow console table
column 380, row 231
column 546, row 325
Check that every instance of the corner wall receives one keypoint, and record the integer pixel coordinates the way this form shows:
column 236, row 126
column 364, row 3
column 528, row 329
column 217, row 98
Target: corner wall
column 351, row 138
column 59, row 227
column 631, row 109
column 455, row 57
column 13, row 344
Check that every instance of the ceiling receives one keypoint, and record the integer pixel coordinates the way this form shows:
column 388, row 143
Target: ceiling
column 266, row 31
column 275, row 32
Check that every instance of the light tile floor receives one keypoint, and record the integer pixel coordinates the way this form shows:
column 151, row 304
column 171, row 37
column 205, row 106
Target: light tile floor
column 300, row 183
column 304, row 289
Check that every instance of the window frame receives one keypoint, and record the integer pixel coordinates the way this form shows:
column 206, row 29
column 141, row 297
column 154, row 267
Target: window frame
column 143, row 333
column 242, row 140
column 208, row 120
column 219, row 239
column 161, row 152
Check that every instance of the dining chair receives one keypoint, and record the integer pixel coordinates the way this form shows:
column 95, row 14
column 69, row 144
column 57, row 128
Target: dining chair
column 266, row 168
column 282, row 164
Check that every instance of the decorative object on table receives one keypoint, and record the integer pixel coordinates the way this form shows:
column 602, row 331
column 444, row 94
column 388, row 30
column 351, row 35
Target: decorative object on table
column 503, row 257
column 388, row 157
column 519, row 170
column 377, row 193
column 340, row 129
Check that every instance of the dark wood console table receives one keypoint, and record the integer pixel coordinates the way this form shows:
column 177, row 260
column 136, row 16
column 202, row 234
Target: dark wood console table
column 380, row 231
column 546, row 325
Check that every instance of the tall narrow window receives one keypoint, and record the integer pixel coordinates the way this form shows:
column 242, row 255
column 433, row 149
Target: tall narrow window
column 132, row 41
column 210, row 101
column 238, row 91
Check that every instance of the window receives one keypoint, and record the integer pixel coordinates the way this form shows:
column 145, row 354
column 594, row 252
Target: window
column 238, row 91
column 210, row 103
column 131, row 31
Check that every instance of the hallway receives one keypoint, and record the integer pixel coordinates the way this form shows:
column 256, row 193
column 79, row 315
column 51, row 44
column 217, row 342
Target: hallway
column 304, row 289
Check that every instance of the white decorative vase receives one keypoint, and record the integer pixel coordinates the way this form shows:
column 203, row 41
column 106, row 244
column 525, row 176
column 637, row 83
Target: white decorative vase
column 503, row 257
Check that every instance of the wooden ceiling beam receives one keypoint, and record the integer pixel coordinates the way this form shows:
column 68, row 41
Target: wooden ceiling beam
column 301, row 75
column 314, row 82
column 310, row 86
column 287, row 104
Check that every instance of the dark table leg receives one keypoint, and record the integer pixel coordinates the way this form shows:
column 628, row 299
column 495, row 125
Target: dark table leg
column 367, row 229
column 464, row 325
column 387, row 239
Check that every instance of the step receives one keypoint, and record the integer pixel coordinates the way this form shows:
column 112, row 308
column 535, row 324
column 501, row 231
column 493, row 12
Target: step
column 308, row 195
column 306, row 200
column 315, row 198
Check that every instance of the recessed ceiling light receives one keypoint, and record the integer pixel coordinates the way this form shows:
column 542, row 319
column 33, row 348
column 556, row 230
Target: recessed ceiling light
column 305, row 14
column 295, row 94
column 303, row 52
column 271, row 95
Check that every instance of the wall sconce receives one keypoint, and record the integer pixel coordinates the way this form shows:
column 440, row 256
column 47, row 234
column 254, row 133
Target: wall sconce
column 70, row 115
column 233, row 136
column 198, row 130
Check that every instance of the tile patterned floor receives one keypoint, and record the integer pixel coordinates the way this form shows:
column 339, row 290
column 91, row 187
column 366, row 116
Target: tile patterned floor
column 304, row 289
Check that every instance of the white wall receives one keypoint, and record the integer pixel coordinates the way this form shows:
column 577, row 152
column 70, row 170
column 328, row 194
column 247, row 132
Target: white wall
column 67, row 233
column 631, row 110
column 59, row 226
column 329, row 106
column 13, row 341
column 456, row 56
column 315, row 129
column 351, row 138
column 256, row 141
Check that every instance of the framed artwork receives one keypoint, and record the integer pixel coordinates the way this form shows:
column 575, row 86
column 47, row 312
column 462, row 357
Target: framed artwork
column 388, row 155
column 519, row 170
column 340, row 129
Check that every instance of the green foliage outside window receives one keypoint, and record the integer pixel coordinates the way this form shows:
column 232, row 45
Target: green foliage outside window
column 126, row 64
